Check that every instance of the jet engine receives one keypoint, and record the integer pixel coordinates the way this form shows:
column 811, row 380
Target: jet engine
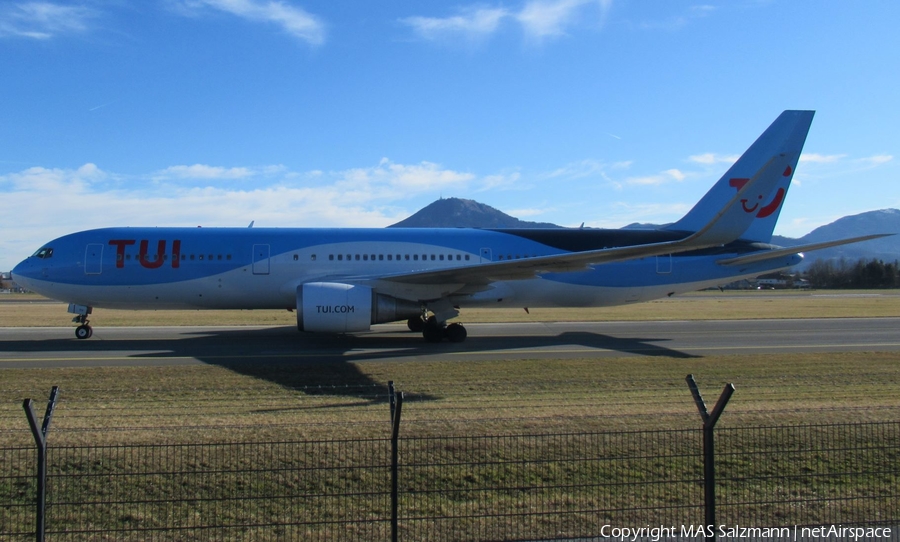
column 337, row 308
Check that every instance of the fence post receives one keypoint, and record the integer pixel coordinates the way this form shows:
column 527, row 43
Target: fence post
column 709, row 453
column 392, row 398
column 396, row 409
column 40, row 439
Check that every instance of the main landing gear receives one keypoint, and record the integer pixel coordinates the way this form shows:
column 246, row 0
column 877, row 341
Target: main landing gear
column 84, row 330
column 435, row 332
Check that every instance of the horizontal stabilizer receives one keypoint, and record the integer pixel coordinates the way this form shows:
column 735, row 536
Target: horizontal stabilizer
column 777, row 253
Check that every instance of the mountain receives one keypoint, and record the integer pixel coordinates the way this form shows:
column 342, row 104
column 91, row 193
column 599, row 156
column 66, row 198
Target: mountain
column 883, row 221
column 464, row 213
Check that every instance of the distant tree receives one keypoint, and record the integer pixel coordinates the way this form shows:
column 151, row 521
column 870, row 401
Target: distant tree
column 860, row 274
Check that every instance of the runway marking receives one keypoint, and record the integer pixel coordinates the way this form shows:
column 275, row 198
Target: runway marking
column 680, row 349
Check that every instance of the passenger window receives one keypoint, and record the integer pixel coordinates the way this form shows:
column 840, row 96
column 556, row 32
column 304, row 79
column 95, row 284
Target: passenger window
column 296, row 257
column 331, row 257
column 442, row 257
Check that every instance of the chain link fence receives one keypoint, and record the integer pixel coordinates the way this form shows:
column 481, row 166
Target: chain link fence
column 501, row 487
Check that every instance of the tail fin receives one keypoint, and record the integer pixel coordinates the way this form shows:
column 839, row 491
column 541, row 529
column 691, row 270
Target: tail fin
column 785, row 136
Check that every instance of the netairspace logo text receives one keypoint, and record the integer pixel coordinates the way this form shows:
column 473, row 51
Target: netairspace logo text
column 736, row 532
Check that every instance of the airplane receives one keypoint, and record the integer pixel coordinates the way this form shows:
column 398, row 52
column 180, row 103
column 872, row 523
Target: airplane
column 345, row 280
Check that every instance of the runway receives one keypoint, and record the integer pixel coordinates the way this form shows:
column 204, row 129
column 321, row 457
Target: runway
column 157, row 346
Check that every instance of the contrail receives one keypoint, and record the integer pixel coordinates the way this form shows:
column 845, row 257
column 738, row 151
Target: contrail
column 100, row 106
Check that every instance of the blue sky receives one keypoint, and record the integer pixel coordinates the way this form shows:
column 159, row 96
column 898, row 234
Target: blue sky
column 336, row 113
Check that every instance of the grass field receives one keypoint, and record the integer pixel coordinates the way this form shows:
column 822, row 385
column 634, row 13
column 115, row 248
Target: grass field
column 200, row 403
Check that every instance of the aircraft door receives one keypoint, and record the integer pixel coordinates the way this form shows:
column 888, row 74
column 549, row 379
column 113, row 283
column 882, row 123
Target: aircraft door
column 664, row 264
column 93, row 259
column 485, row 255
column 260, row 259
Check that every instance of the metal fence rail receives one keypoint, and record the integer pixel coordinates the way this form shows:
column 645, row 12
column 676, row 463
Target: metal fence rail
column 507, row 487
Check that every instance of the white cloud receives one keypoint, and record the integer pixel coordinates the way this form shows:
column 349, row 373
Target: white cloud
column 821, row 158
column 43, row 20
column 675, row 174
column 539, row 19
column 473, row 23
column 499, row 181
column 54, row 181
column 877, row 160
column 658, row 179
column 710, row 158
column 202, row 171
column 390, row 181
column 583, row 169
column 88, row 197
column 550, row 18
column 293, row 20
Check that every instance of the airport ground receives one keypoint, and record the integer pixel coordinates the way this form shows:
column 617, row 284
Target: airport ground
column 794, row 357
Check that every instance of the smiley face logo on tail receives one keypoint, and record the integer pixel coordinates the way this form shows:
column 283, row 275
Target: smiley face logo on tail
column 770, row 207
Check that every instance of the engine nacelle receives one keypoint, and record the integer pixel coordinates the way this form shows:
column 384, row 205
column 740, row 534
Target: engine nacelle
column 334, row 307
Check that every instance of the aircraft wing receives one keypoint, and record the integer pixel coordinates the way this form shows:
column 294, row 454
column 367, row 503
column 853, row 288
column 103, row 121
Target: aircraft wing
column 767, row 254
column 728, row 225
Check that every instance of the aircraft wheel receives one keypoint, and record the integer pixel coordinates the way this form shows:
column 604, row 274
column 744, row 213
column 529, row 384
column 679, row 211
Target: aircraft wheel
column 83, row 332
column 432, row 332
column 456, row 333
column 415, row 324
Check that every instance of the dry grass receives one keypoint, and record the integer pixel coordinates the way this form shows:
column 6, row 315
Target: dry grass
column 213, row 403
column 32, row 311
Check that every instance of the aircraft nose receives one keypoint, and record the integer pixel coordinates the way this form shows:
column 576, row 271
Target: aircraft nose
column 23, row 272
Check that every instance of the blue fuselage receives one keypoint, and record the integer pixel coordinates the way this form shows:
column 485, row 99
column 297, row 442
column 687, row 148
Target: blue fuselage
column 257, row 268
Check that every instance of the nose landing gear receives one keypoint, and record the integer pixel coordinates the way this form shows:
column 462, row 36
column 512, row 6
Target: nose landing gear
column 84, row 330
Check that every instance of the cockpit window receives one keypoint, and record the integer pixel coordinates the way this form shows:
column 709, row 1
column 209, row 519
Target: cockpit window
column 44, row 253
